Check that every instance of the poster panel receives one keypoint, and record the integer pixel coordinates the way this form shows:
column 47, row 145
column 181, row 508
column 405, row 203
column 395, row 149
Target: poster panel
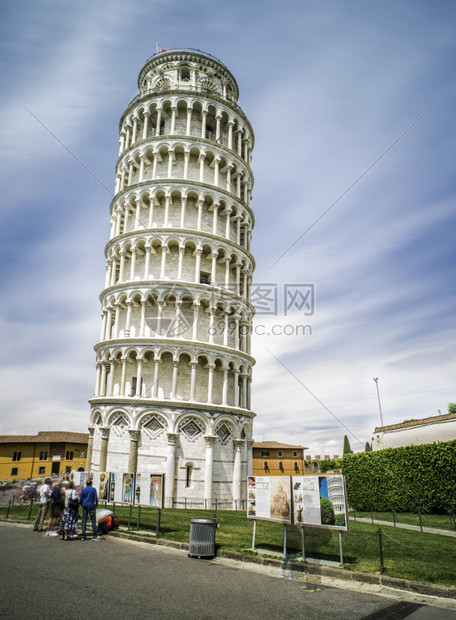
column 128, row 488
column 320, row 501
column 149, row 489
column 78, row 479
column 269, row 497
column 100, row 481
column 116, row 487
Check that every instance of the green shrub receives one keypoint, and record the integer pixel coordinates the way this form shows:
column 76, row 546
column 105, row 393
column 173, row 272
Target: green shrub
column 408, row 479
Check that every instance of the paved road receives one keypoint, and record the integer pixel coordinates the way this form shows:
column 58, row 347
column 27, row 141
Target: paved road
column 43, row 577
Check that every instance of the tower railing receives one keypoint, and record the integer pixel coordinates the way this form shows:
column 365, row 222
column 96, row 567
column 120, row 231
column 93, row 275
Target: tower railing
column 187, row 49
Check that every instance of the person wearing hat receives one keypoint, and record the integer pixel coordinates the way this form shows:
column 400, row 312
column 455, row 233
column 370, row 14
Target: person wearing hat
column 89, row 502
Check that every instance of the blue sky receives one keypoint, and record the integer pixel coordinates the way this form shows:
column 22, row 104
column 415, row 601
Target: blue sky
column 329, row 87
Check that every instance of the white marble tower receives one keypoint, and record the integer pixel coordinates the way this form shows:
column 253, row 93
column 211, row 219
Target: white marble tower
column 174, row 369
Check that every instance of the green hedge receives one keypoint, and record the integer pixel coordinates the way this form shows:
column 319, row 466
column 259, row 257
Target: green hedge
column 406, row 479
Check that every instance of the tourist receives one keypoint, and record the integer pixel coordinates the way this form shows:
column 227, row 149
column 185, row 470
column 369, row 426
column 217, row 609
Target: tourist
column 69, row 522
column 89, row 502
column 45, row 499
column 57, row 504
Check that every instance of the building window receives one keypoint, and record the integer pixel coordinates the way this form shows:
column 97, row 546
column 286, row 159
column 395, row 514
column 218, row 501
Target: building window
column 43, row 455
column 41, row 471
column 188, row 475
column 185, row 74
column 264, row 452
column 69, row 455
column 14, row 471
column 296, row 467
column 68, row 469
column 280, row 465
column 280, row 453
column 134, row 386
column 266, row 466
column 17, row 456
column 205, row 278
column 295, row 454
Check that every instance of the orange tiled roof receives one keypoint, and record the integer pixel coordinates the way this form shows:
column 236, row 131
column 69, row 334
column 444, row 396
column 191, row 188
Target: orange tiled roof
column 47, row 437
column 276, row 445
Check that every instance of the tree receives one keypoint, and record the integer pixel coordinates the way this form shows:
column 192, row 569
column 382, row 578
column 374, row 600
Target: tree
column 347, row 448
column 368, row 447
column 451, row 407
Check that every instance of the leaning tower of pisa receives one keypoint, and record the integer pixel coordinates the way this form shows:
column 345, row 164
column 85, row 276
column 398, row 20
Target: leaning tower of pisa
column 174, row 368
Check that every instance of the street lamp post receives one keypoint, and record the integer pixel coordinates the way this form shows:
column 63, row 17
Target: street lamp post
column 378, row 396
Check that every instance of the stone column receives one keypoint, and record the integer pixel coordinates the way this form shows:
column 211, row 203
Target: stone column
column 135, row 127
column 170, row 469
column 104, row 449
column 215, row 219
column 181, row 262
column 103, row 380
column 98, row 379
column 108, row 272
column 209, row 439
column 108, row 324
column 164, row 250
column 166, row 219
column 133, row 264
column 214, row 268
column 203, row 124
column 230, row 134
column 111, row 378
column 236, row 388
column 225, row 387
column 170, row 163
column 183, row 207
column 210, row 383
column 150, row 221
column 250, row 443
column 113, row 270
column 133, row 456
column 237, row 444
column 89, row 452
column 193, row 380
column 138, row 379
column 148, row 251
column 173, row 120
column 146, row 125
column 116, row 321
column 201, row 174
column 195, row 321
column 174, row 380
column 198, row 253
column 186, row 160
column 157, row 130
column 244, row 391
column 122, row 267
column 189, row 121
column 156, row 378
column 142, row 325
column 137, row 223
column 200, row 214
column 129, row 305
column 123, row 376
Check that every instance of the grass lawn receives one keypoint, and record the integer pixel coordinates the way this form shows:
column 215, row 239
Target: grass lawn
column 440, row 522
column 407, row 554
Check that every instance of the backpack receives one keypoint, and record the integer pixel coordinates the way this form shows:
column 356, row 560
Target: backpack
column 108, row 524
column 73, row 502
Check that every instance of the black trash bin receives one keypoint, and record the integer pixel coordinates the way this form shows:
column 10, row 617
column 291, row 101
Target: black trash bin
column 202, row 537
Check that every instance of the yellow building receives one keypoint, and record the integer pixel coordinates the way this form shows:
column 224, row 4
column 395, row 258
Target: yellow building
column 50, row 453
column 271, row 458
